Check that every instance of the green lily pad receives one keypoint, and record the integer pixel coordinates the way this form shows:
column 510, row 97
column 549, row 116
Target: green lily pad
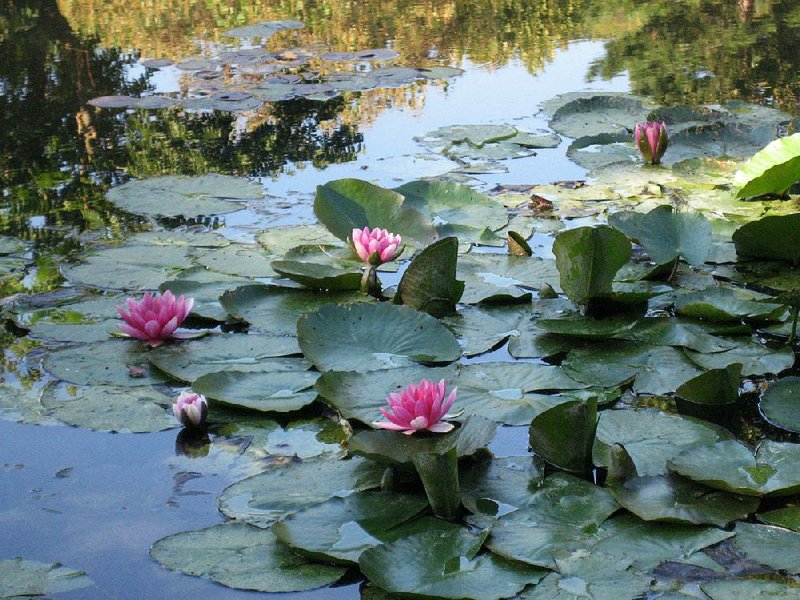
column 597, row 114
column 345, row 204
column 276, row 310
column 117, row 362
column 20, row 578
column 656, row 369
column 444, row 563
column 280, row 240
column 564, row 435
column 672, row 498
column 239, row 260
column 429, row 283
column 360, row 395
column 110, row 408
column 498, row 486
column 146, row 267
column 772, row 237
column 394, row 447
column 270, row 496
column 788, row 518
column 731, row 466
column 564, row 513
column 587, row 259
column 667, row 235
column 754, row 358
column 727, row 304
column 772, row 546
column 480, row 329
column 650, row 437
column 23, row 405
column 366, row 337
column 241, row 556
column 276, row 391
column 734, row 589
column 191, row 360
column 502, row 278
column 318, row 277
column 341, row 529
column 179, row 195
column 455, row 209
column 711, row 395
column 772, row 170
column 779, row 403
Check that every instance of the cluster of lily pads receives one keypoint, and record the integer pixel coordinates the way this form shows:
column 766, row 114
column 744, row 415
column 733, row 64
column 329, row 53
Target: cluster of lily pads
column 631, row 348
column 244, row 79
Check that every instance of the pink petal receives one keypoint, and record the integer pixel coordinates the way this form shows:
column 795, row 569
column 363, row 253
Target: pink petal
column 387, row 425
column 441, row 427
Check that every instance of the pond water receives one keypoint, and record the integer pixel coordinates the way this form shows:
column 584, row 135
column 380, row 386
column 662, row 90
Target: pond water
column 97, row 501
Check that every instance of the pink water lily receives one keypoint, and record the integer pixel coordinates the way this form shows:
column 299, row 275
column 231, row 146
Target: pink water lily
column 155, row 317
column 190, row 409
column 651, row 139
column 418, row 407
column 377, row 246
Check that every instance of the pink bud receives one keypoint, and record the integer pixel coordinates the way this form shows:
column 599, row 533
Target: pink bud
column 190, row 409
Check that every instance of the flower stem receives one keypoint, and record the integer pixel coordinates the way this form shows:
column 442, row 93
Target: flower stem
column 369, row 282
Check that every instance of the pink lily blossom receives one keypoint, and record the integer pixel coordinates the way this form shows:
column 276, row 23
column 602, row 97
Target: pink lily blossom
column 190, row 409
column 154, row 318
column 377, row 246
column 651, row 139
column 418, row 407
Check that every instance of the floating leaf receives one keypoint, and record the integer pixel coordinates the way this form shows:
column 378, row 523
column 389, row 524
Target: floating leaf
column 672, row 498
column 734, row 589
column 276, row 391
column 754, row 358
column 110, row 408
column 729, row 465
column 318, row 277
column 772, row 237
column 772, row 546
column 667, row 235
column 429, row 283
column 238, row 260
column 341, row 529
column 366, row 337
column 241, row 556
column 650, row 437
column 564, row 435
column 180, row 195
column 444, row 563
column 118, row 362
column 727, row 304
column 345, row 204
column 270, row 496
column 598, row 113
column 779, row 404
column 480, row 329
column 587, row 259
column 772, row 170
column 498, row 486
column 20, row 578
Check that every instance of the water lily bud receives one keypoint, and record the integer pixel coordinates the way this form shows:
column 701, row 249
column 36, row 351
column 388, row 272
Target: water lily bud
column 375, row 247
column 651, row 139
column 417, row 408
column 190, row 409
column 155, row 317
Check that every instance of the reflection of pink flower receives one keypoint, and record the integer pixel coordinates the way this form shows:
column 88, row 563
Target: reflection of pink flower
column 154, row 318
column 190, row 409
column 377, row 246
column 651, row 139
column 418, row 407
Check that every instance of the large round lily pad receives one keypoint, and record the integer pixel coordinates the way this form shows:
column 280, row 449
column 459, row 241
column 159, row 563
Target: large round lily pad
column 341, row 529
column 241, row 556
column 780, row 404
column 265, row 498
column 192, row 359
column 179, row 195
column 731, row 466
column 116, row 362
column 276, row 391
column 444, row 563
column 772, row 546
column 367, row 337
column 20, row 578
column 110, row 408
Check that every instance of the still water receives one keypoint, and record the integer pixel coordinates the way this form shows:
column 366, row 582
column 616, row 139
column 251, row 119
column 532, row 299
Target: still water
column 97, row 501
